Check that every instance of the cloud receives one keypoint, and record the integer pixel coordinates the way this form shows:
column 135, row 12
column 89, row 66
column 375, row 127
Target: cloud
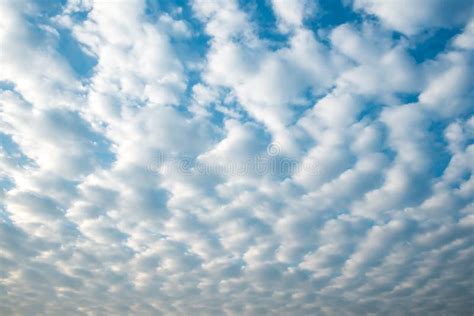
column 292, row 14
column 411, row 17
column 31, row 49
column 229, row 158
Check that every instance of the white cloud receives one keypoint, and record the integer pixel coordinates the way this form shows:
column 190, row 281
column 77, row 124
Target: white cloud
column 31, row 50
column 449, row 88
column 411, row 17
column 292, row 13
column 466, row 39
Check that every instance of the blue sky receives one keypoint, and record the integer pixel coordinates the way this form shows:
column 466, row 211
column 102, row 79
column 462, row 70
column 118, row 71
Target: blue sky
column 266, row 157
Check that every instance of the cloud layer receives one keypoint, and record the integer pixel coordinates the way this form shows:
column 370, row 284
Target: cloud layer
column 236, row 158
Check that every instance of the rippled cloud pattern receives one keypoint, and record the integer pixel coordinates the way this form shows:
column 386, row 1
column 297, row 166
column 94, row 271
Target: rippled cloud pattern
column 224, row 157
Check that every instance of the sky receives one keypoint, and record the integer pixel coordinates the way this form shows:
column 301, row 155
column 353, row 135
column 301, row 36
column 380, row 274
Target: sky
column 260, row 157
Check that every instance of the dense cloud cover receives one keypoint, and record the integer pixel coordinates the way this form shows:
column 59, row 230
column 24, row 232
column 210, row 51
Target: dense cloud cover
column 236, row 157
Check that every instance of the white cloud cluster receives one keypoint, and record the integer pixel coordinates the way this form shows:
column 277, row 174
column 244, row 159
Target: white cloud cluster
column 413, row 16
column 104, row 211
column 292, row 13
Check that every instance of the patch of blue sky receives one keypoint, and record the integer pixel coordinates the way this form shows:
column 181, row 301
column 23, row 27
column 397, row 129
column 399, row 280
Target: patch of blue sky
column 332, row 13
column 7, row 85
column 83, row 64
column 265, row 22
column 12, row 150
column 4, row 217
column 429, row 44
column 6, row 184
column 440, row 155
column 407, row 98
column 105, row 156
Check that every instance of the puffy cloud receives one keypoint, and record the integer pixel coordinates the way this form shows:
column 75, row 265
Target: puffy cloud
column 441, row 95
column 31, row 50
column 466, row 39
column 411, row 17
column 292, row 14
column 375, row 55
column 215, row 158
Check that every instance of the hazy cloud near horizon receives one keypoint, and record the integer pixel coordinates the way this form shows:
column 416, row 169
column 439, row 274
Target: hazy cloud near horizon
column 259, row 157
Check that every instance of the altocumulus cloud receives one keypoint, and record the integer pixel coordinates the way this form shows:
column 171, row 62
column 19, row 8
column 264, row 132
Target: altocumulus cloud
column 121, row 121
